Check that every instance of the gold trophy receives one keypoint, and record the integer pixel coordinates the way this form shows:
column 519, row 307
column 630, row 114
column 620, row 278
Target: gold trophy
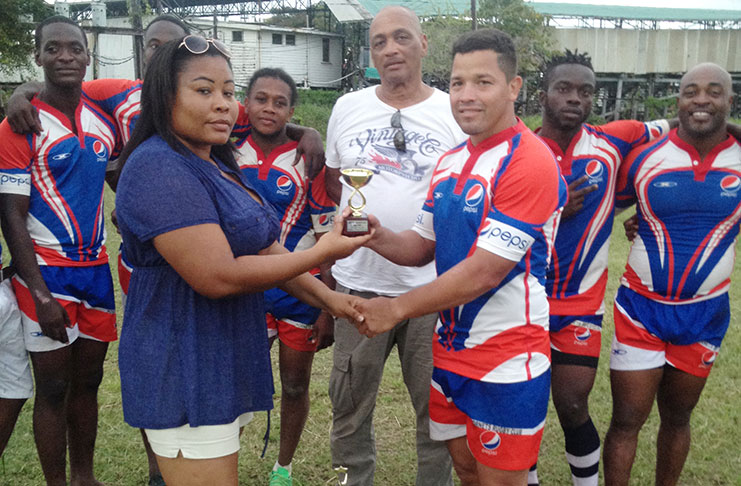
column 356, row 224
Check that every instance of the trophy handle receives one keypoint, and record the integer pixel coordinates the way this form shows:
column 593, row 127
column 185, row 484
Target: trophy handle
column 357, row 210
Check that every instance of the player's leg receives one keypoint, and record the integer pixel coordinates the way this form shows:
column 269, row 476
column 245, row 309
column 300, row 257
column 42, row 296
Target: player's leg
column 571, row 387
column 295, row 375
column 575, row 349
column 16, row 382
column 463, row 461
column 414, row 342
column 678, row 395
column 97, row 324
column 633, row 394
column 82, row 408
column 637, row 362
column 10, row 408
column 448, row 423
column 52, row 374
column 353, row 389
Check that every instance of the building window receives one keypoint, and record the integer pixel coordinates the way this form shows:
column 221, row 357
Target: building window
column 290, row 40
column 237, row 36
column 325, row 50
column 278, row 39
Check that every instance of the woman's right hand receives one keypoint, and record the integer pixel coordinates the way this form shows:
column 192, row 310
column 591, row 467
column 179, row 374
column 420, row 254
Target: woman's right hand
column 335, row 245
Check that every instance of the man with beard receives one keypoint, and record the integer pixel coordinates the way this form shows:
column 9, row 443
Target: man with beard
column 672, row 309
column 577, row 275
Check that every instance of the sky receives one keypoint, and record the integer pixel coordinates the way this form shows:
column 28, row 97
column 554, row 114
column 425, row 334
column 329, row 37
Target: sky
column 706, row 4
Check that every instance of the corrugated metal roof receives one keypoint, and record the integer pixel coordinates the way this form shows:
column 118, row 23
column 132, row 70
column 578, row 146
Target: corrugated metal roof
column 348, row 10
column 635, row 13
column 423, row 8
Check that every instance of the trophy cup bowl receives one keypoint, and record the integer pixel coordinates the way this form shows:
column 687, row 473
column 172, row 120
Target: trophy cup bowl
column 356, row 224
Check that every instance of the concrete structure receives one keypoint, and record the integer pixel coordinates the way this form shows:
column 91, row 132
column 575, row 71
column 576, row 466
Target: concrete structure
column 313, row 58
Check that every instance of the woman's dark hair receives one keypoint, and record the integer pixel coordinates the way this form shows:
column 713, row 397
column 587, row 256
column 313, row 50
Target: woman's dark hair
column 275, row 73
column 159, row 91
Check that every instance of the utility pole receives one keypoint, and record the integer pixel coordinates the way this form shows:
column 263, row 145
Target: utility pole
column 473, row 15
column 136, row 22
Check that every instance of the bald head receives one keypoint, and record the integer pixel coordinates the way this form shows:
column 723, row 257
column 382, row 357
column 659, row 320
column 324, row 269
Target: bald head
column 709, row 72
column 703, row 105
column 396, row 12
column 397, row 47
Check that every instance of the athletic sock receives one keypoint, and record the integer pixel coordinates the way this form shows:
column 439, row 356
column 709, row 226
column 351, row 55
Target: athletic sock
column 582, row 452
column 287, row 468
column 532, row 475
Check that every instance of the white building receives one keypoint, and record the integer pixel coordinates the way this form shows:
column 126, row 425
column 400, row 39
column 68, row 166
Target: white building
column 313, row 58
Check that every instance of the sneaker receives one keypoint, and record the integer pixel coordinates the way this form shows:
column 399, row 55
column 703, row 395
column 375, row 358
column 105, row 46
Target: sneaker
column 280, row 477
column 156, row 481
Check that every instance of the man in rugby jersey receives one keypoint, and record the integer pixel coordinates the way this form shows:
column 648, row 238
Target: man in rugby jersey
column 672, row 308
column 51, row 203
column 589, row 157
column 488, row 223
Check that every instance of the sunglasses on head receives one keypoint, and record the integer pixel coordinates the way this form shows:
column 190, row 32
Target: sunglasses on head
column 399, row 140
column 198, row 45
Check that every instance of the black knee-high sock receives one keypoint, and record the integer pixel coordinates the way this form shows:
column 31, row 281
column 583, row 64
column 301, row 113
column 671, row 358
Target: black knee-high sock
column 582, row 452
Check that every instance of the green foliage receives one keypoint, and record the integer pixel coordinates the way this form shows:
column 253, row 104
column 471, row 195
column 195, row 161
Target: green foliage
column 441, row 31
column 530, row 30
column 314, row 107
column 657, row 108
column 16, row 31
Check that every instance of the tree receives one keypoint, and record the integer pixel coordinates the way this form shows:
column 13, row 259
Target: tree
column 16, row 31
column 528, row 28
column 441, row 31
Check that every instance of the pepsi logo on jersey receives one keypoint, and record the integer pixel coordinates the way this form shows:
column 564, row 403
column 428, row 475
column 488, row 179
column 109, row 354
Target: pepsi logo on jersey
column 284, row 184
column 474, row 197
column 7, row 180
column 505, row 235
column 594, row 171
column 730, row 185
column 100, row 151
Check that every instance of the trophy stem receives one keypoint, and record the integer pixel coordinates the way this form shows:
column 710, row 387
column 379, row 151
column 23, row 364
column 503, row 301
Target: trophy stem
column 356, row 210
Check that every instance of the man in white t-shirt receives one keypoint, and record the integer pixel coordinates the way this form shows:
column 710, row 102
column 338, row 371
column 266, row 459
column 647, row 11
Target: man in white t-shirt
column 398, row 130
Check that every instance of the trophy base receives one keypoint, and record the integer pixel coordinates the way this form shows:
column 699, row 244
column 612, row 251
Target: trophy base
column 356, row 226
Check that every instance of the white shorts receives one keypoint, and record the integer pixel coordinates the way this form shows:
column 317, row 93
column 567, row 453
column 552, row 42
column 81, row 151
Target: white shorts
column 205, row 442
column 15, row 371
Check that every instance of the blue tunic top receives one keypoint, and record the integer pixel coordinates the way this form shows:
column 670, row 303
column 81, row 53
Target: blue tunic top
column 185, row 358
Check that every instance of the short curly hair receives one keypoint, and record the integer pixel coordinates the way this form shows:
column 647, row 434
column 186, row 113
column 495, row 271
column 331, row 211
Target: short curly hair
column 568, row 57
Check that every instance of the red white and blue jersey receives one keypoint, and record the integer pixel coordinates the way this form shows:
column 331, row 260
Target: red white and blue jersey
column 303, row 206
column 577, row 275
column 505, row 196
column 63, row 174
column 121, row 99
column 688, row 218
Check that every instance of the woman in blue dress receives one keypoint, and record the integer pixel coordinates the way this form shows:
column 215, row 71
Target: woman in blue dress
column 193, row 354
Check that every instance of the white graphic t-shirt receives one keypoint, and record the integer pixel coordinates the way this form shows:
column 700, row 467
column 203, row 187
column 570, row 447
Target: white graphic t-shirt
column 360, row 134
